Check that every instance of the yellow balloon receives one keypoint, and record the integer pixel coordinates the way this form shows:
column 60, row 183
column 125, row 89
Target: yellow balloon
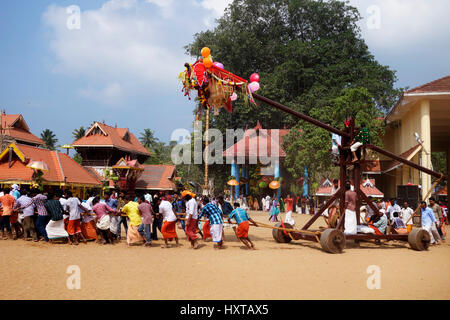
column 207, row 62
column 206, row 52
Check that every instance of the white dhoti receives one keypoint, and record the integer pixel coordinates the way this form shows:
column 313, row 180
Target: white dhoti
column 216, row 232
column 365, row 229
column 288, row 218
column 104, row 223
column 355, row 146
column 350, row 225
column 114, row 222
column 434, row 235
column 55, row 229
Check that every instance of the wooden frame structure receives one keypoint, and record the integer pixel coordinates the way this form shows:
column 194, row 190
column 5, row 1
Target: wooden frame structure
column 333, row 240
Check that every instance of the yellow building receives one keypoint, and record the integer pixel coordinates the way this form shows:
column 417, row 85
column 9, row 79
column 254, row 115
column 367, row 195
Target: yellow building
column 418, row 125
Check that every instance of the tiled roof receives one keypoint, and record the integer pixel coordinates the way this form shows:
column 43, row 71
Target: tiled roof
column 15, row 126
column 370, row 191
column 157, row 177
column 383, row 166
column 250, row 145
column 62, row 168
column 439, row 85
column 114, row 138
column 442, row 191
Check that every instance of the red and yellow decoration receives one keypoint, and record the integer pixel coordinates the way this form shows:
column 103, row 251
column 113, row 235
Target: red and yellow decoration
column 216, row 87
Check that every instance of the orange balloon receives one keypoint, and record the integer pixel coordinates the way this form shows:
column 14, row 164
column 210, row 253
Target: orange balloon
column 206, row 52
column 207, row 62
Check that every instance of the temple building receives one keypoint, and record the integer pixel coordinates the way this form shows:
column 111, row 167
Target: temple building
column 14, row 129
column 261, row 148
column 367, row 186
column 418, row 125
column 157, row 178
column 56, row 170
column 104, row 146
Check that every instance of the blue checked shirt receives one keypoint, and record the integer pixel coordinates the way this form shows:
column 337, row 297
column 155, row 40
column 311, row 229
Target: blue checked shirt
column 239, row 214
column 213, row 213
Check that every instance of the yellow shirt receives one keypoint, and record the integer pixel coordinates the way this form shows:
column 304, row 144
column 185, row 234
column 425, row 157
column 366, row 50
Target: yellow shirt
column 132, row 211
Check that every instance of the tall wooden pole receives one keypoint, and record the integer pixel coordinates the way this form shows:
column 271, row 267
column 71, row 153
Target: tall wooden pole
column 206, row 187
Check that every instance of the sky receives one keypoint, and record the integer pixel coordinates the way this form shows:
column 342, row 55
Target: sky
column 65, row 64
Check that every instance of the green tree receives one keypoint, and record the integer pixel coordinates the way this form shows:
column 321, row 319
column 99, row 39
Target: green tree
column 148, row 139
column 77, row 158
column 79, row 133
column 439, row 161
column 307, row 53
column 160, row 152
column 309, row 146
column 49, row 139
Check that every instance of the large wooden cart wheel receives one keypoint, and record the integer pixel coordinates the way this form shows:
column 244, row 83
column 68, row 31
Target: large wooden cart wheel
column 332, row 240
column 419, row 239
column 279, row 235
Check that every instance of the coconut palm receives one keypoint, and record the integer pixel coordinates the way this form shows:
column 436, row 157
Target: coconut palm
column 79, row 133
column 148, row 139
column 49, row 138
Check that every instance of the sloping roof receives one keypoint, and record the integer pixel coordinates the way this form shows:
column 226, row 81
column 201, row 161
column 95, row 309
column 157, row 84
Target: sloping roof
column 442, row 191
column 14, row 125
column 368, row 187
column 439, row 85
column 255, row 138
column 439, row 88
column 111, row 137
column 157, row 177
column 62, row 168
column 384, row 166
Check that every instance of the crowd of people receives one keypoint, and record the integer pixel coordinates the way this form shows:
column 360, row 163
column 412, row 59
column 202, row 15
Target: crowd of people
column 60, row 215
column 389, row 216
column 37, row 216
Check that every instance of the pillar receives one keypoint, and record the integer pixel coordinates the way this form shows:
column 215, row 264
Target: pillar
column 276, row 174
column 246, row 174
column 233, row 173
column 236, row 189
column 425, row 134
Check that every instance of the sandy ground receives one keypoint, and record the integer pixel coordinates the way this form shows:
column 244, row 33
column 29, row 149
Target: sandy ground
column 300, row 270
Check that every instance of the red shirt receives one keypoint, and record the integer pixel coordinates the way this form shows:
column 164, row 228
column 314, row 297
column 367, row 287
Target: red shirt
column 7, row 202
column 289, row 204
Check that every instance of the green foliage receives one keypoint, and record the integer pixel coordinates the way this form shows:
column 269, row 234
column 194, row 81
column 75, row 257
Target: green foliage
column 49, row 139
column 311, row 57
column 160, row 152
column 77, row 158
column 310, row 146
column 439, row 161
column 79, row 133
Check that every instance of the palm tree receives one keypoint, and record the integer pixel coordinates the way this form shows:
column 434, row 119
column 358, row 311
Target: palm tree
column 148, row 139
column 49, row 138
column 79, row 133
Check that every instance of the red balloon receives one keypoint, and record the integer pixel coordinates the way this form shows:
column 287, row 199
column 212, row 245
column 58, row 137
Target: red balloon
column 254, row 77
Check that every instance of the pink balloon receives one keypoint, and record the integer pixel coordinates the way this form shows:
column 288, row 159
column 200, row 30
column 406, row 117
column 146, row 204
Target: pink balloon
column 254, row 77
column 253, row 86
column 218, row 65
column 234, row 96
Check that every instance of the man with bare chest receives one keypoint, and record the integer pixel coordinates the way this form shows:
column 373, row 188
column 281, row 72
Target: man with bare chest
column 350, row 224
